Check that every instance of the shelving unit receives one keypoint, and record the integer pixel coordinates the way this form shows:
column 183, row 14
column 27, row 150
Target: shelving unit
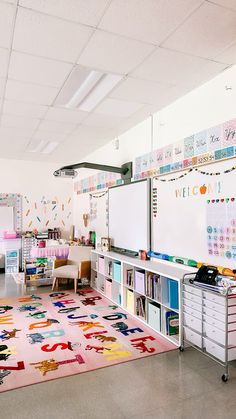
column 149, row 290
column 39, row 271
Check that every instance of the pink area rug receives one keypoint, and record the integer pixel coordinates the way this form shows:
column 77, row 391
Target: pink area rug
column 48, row 336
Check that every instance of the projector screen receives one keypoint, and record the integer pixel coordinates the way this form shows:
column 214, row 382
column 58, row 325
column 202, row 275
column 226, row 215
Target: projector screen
column 129, row 216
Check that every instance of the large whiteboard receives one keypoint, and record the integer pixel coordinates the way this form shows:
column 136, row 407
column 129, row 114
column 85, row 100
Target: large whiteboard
column 182, row 219
column 129, row 216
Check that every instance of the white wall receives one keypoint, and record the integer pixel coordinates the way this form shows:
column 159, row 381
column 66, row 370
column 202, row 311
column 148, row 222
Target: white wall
column 200, row 109
column 38, row 187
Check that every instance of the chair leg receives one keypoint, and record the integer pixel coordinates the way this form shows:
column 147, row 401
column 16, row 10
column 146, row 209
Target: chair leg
column 55, row 283
column 76, row 285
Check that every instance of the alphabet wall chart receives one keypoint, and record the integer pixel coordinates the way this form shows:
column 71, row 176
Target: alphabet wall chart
column 97, row 182
column 211, row 145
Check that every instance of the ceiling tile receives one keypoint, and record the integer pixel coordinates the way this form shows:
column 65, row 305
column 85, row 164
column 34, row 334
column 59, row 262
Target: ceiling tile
column 167, row 66
column 50, row 37
column 228, row 55
column 49, row 136
column 6, row 22
column 3, row 62
column 31, row 93
column 88, row 12
column 206, row 33
column 138, row 90
column 110, row 52
column 231, row 4
column 14, row 133
column 24, row 109
column 65, row 115
column 31, row 69
column 89, row 133
column 149, row 20
column 55, row 126
column 2, row 84
column 19, row 122
column 118, row 108
column 103, row 121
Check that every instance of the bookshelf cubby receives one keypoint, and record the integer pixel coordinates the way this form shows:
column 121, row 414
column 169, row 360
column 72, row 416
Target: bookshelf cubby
column 149, row 290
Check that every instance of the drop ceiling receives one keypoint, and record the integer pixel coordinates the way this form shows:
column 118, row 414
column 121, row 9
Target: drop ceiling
column 162, row 49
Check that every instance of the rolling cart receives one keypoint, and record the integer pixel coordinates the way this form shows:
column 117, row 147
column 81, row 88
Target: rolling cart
column 209, row 320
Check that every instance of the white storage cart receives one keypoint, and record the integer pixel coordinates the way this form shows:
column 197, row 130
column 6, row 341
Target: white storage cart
column 209, row 320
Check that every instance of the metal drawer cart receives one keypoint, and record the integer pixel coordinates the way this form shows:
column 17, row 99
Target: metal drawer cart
column 209, row 320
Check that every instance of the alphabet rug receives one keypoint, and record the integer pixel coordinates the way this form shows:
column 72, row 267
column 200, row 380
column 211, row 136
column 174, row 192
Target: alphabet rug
column 49, row 336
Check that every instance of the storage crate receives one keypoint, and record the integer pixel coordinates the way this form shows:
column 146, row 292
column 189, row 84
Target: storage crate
column 154, row 316
column 139, row 282
column 101, row 265
column 108, row 288
column 117, row 271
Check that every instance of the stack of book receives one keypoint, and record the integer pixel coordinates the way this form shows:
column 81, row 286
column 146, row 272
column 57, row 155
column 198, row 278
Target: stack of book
column 153, row 286
column 130, row 278
column 140, row 307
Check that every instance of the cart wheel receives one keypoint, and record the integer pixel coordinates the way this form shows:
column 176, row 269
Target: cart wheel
column 225, row 378
column 181, row 349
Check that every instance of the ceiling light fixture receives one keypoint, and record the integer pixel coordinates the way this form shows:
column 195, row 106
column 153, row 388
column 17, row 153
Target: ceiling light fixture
column 100, row 91
column 50, row 147
column 36, row 146
column 85, row 88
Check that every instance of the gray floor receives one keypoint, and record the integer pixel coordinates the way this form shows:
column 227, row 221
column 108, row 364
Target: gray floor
column 172, row 385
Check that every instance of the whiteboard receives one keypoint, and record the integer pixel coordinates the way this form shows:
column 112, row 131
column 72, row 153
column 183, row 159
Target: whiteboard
column 129, row 216
column 6, row 219
column 180, row 227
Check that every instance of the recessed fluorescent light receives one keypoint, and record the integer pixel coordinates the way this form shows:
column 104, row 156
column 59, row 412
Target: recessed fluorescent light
column 36, row 146
column 85, row 88
column 50, row 147
column 99, row 92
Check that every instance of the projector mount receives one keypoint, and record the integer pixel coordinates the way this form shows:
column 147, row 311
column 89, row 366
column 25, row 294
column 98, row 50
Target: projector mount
column 69, row 171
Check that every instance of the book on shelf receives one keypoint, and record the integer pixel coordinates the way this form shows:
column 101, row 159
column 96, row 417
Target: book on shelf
column 172, row 323
column 153, row 286
column 140, row 306
column 130, row 278
column 109, row 270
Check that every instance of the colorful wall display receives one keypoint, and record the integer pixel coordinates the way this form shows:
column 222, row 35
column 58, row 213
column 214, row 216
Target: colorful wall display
column 221, row 228
column 97, row 182
column 214, row 144
column 47, row 212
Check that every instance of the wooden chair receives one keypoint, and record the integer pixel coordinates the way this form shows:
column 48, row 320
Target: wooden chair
column 76, row 267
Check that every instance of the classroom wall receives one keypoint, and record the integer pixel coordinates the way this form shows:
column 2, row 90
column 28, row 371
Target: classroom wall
column 209, row 105
column 45, row 198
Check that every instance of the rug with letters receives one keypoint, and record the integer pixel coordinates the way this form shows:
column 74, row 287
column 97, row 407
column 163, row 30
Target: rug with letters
column 49, row 336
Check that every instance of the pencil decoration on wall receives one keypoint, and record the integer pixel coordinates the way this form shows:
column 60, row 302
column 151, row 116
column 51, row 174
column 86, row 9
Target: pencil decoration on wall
column 30, row 224
column 54, row 207
column 26, row 199
column 69, row 215
column 69, row 200
column 62, row 207
column 27, row 212
column 47, row 222
column 35, row 205
column 63, row 223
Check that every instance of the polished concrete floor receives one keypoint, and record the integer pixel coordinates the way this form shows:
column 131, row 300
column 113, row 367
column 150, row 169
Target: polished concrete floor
column 168, row 386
